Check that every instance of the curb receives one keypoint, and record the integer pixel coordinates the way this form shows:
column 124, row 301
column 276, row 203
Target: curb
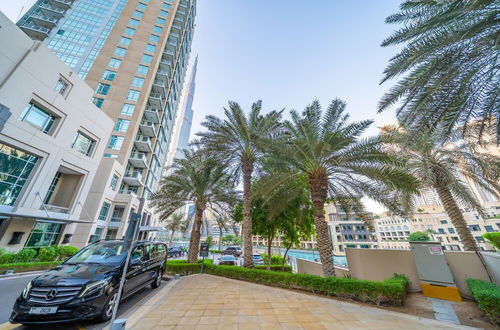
column 14, row 275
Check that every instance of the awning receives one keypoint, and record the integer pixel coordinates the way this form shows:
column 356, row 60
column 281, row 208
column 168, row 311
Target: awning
column 48, row 218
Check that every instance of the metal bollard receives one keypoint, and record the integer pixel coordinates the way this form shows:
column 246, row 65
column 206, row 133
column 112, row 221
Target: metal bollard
column 119, row 324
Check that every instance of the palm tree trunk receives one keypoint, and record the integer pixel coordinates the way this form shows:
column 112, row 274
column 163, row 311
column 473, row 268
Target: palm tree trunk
column 220, row 237
column 194, row 240
column 319, row 188
column 247, row 218
column 284, row 258
column 456, row 217
column 269, row 252
column 172, row 236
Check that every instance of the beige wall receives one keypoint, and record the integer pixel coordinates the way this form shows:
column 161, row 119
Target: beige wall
column 314, row 268
column 377, row 265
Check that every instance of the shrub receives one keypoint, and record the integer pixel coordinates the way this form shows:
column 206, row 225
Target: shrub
column 28, row 267
column 276, row 268
column 493, row 239
column 25, row 255
column 215, row 251
column 275, row 260
column 7, row 258
column 389, row 292
column 419, row 236
column 487, row 296
column 66, row 251
column 47, row 254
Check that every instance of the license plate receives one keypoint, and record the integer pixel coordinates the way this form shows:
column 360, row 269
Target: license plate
column 43, row 310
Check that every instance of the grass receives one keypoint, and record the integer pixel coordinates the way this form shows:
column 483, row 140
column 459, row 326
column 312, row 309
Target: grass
column 487, row 295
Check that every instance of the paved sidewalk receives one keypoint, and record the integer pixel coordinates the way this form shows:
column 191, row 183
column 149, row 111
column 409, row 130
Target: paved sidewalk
column 210, row 302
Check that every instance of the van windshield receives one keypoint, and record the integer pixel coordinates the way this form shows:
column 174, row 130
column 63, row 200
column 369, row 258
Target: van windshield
column 106, row 253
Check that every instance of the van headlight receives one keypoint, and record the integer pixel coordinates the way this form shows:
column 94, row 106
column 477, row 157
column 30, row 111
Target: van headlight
column 26, row 290
column 93, row 287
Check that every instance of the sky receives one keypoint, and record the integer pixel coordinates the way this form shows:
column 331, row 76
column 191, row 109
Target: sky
column 286, row 53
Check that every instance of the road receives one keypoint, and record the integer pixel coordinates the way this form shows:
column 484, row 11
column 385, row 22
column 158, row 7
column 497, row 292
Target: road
column 11, row 287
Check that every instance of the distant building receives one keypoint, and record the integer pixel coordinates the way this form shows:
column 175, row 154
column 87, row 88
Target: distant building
column 349, row 231
column 50, row 146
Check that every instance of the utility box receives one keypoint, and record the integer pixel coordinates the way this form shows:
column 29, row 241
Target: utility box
column 433, row 270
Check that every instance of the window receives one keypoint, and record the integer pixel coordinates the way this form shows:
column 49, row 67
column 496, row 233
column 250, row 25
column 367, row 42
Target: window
column 146, row 58
column 130, row 31
column 154, row 39
column 166, row 6
column 443, row 222
column 106, row 155
column 97, row 101
column 44, row 234
column 37, row 117
column 479, row 239
column 441, row 231
column 114, row 182
column 125, row 41
column 451, row 230
column 52, row 188
column 474, row 228
column 14, row 172
column 138, row 14
column 133, row 95
column 150, row 48
column 83, row 144
column 157, row 29
column 489, row 229
column 128, row 109
column 97, row 235
column 108, row 75
column 62, row 86
column 122, row 125
column 138, row 82
column 115, row 142
column 141, row 6
column 160, row 21
column 142, row 69
column 163, row 13
column 114, row 63
column 102, row 89
column 120, row 51
column 133, row 22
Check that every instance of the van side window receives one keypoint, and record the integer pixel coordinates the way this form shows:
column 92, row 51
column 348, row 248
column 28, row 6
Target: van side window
column 138, row 253
column 149, row 251
column 161, row 250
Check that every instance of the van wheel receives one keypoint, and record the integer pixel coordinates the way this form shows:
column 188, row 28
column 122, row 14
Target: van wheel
column 107, row 310
column 156, row 283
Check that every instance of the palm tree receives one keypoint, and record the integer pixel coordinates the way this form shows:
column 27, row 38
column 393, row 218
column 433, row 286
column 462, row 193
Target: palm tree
column 448, row 165
column 176, row 223
column 238, row 142
column 449, row 62
column 199, row 180
column 339, row 165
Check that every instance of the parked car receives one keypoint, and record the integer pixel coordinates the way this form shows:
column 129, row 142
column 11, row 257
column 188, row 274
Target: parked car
column 257, row 260
column 86, row 285
column 175, row 251
column 232, row 250
column 228, row 260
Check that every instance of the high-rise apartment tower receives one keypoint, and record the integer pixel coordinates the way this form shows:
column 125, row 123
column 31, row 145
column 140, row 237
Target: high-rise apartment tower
column 134, row 54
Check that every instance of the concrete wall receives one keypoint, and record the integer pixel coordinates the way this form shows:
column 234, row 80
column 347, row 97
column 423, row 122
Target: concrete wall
column 314, row 268
column 377, row 265
column 492, row 261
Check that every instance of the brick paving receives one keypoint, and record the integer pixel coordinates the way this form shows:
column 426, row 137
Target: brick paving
column 210, row 302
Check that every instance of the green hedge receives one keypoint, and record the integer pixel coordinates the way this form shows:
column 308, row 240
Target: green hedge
column 45, row 254
column 493, row 239
column 215, row 251
column 276, row 268
column 389, row 292
column 28, row 266
column 487, row 296
column 275, row 260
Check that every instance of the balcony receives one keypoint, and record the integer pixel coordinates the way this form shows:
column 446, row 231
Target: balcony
column 155, row 98
column 51, row 10
column 143, row 143
column 147, row 128
column 138, row 159
column 35, row 31
column 165, row 65
column 43, row 20
column 152, row 114
column 159, row 87
column 63, row 4
column 133, row 178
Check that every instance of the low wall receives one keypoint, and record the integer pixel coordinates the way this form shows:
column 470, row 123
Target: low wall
column 380, row 264
column 492, row 261
column 314, row 268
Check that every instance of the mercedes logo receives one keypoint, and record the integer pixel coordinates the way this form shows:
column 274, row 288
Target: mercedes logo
column 51, row 294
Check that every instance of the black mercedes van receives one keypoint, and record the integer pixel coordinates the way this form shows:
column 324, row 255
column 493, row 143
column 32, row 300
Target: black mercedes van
column 86, row 285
